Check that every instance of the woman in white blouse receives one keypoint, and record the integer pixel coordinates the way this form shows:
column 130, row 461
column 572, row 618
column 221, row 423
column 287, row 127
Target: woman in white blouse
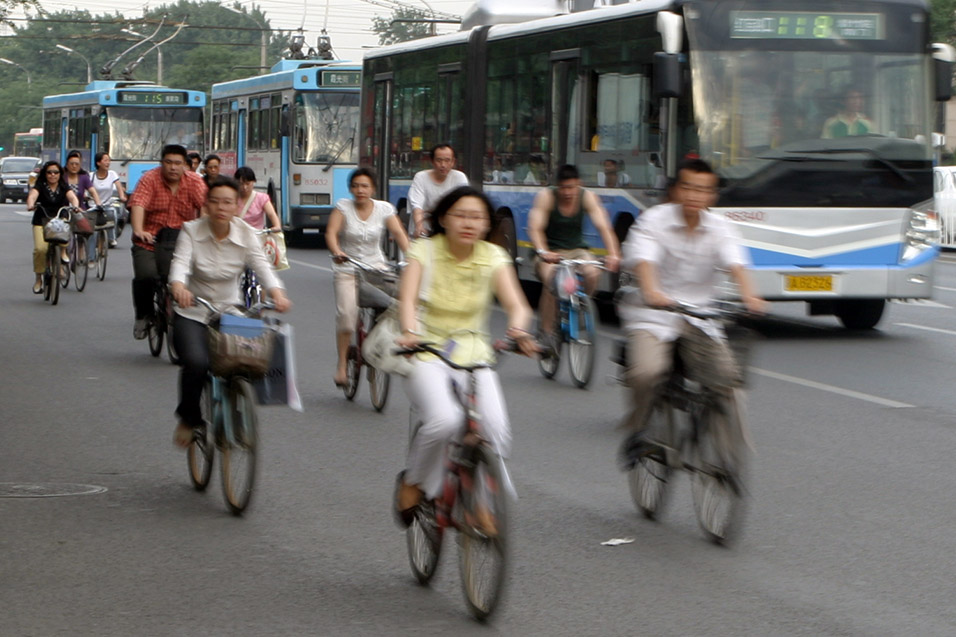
column 211, row 253
column 105, row 181
column 355, row 230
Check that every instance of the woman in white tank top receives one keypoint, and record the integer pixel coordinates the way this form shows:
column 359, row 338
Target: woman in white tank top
column 355, row 230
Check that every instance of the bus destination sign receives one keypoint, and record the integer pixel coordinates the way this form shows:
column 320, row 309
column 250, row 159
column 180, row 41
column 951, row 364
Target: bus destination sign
column 805, row 25
column 150, row 98
column 341, row 78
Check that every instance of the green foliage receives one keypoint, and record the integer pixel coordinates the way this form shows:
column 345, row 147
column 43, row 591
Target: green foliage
column 390, row 32
column 209, row 50
column 943, row 21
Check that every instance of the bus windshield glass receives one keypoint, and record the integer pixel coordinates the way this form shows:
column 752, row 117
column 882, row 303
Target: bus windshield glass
column 843, row 118
column 140, row 133
column 325, row 128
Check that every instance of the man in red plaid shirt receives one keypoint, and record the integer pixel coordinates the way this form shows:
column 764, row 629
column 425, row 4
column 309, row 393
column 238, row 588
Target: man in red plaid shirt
column 165, row 198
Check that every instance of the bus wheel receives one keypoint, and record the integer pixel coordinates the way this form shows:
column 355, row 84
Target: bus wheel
column 860, row 315
column 504, row 233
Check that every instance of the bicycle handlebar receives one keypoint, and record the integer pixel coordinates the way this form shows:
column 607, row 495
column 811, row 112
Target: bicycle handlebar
column 255, row 309
column 501, row 345
column 390, row 269
column 723, row 309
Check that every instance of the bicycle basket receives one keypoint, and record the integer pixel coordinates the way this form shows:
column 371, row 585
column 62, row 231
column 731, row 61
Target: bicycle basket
column 240, row 345
column 56, row 230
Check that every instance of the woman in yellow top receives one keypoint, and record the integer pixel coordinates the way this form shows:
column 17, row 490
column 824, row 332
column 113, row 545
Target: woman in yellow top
column 462, row 274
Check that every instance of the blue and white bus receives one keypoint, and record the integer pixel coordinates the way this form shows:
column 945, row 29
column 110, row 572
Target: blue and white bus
column 296, row 128
column 767, row 91
column 130, row 120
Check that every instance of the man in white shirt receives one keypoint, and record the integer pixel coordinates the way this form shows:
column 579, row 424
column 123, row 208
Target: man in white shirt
column 429, row 186
column 676, row 250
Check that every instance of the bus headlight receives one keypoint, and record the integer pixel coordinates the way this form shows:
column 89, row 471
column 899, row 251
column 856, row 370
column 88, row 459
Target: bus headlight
column 314, row 199
column 10, row 182
column 922, row 233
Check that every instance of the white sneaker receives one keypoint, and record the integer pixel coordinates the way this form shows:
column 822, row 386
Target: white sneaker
column 139, row 329
column 113, row 243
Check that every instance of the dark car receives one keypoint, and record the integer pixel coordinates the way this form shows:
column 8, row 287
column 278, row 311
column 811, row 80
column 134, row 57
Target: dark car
column 15, row 177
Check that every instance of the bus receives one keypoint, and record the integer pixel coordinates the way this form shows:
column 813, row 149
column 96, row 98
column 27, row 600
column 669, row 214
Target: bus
column 28, row 144
column 835, row 217
column 296, row 128
column 130, row 120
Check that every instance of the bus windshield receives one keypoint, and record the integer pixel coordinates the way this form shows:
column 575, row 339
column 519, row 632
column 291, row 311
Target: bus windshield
column 325, row 128
column 140, row 133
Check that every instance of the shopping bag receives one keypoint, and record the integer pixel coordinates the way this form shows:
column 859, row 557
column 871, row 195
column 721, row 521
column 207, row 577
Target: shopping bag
column 278, row 387
column 274, row 246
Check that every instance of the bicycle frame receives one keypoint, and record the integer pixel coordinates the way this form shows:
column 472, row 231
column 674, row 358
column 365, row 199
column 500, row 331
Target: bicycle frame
column 569, row 304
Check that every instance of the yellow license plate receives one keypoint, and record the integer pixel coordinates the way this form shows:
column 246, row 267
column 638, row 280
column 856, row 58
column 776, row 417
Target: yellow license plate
column 809, row 283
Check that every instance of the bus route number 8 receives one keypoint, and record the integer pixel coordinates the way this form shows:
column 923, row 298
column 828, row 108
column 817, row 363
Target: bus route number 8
column 822, row 26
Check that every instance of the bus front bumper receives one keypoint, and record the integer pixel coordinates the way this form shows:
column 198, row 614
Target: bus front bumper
column 310, row 217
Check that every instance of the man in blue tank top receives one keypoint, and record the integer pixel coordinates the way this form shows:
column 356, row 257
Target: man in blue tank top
column 556, row 229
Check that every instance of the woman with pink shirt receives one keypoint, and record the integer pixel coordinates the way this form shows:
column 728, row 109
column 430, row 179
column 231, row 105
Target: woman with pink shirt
column 255, row 207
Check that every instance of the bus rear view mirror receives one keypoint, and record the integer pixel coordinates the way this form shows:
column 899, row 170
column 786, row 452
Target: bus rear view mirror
column 667, row 75
column 944, row 57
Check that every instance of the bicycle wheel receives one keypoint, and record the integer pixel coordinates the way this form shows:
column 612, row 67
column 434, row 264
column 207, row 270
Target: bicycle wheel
column 482, row 551
column 649, row 478
column 352, row 371
column 238, row 466
column 581, row 349
column 378, row 383
column 716, row 479
column 423, row 539
column 64, row 273
column 102, row 253
column 170, row 344
column 51, row 278
column 200, row 453
column 550, row 360
column 81, row 269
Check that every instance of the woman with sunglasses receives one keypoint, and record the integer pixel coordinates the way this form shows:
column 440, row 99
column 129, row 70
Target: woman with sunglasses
column 46, row 197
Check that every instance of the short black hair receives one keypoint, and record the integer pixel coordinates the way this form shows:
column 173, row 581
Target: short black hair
column 695, row 165
column 223, row 181
column 98, row 157
column 451, row 199
column 174, row 149
column 209, row 158
column 566, row 172
column 438, row 147
column 363, row 171
column 193, row 156
column 244, row 173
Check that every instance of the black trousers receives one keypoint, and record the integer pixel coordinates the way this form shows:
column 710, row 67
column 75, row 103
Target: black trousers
column 192, row 345
column 149, row 265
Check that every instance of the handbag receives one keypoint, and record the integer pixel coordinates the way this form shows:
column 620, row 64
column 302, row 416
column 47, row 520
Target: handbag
column 56, row 230
column 240, row 345
column 379, row 346
column 278, row 386
column 273, row 245
column 81, row 224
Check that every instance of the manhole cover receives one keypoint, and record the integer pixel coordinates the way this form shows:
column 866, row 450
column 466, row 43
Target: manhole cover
column 46, row 489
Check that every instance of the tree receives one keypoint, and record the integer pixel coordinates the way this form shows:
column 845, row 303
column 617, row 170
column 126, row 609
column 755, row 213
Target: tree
column 401, row 26
column 943, row 21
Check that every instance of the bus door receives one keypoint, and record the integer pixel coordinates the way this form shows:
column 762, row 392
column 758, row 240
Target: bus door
column 565, row 107
column 383, row 87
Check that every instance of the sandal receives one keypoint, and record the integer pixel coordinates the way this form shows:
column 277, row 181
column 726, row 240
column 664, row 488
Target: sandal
column 404, row 517
column 38, row 287
column 183, row 436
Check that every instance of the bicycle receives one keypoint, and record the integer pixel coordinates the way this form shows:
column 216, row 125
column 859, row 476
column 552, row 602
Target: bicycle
column 372, row 301
column 78, row 268
column 575, row 324
column 230, row 423
column 159, row 324
column 102, row 241
column 54, row 270
column 249, row 286
column 474, row 475
column 684, row 432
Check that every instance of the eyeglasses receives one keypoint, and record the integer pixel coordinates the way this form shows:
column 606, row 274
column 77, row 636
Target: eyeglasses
column 53, row 172
column 477, row 218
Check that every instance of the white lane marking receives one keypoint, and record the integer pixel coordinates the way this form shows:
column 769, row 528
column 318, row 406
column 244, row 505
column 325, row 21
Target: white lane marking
column 940, row 287
column 831, row 388
column 938, row 330
column 22, row 213
column 310, row 265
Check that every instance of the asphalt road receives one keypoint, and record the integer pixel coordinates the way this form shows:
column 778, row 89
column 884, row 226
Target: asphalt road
column 849, row 529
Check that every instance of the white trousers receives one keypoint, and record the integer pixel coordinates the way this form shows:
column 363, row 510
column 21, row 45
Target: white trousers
column 430, row 391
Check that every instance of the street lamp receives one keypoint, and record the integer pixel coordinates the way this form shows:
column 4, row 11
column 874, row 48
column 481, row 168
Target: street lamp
column 12, row 63
column 262, row 42
column 159, row 54
column 89, row 70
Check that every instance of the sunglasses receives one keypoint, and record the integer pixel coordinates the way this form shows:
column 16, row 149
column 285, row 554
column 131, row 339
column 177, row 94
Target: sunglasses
column 53, row 172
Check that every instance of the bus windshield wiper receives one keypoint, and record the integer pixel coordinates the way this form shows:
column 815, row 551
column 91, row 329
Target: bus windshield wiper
column 804, row 155
column 348, row 143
